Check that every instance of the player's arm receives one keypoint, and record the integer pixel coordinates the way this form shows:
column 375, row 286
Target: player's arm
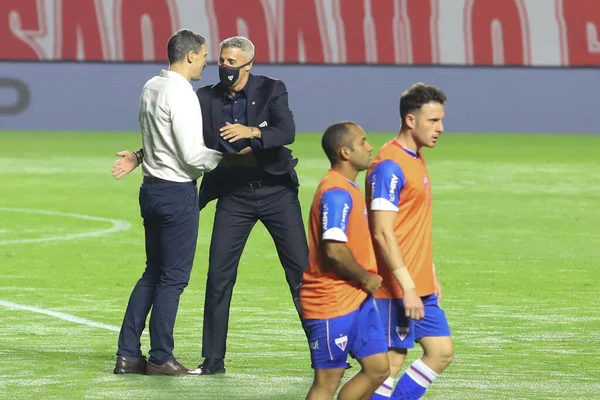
column 382, row 229
column 341, row 258
column 387, row 181
column 130, row 160
column 335, row 208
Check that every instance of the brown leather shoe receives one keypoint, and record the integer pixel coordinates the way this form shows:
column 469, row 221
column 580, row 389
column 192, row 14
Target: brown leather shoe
column 126, row 365
column 171, row 367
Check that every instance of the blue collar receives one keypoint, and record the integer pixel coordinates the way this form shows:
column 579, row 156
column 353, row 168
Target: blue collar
column 410, row 152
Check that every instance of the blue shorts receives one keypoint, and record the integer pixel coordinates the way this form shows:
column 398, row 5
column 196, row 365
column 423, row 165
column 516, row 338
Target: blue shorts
column 359, row 333
column 402, row 332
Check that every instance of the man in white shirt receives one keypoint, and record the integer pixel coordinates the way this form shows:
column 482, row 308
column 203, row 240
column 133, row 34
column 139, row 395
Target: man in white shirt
column 174, row 158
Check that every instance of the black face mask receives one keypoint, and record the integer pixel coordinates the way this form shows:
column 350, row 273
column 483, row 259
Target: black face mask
column 230, row 75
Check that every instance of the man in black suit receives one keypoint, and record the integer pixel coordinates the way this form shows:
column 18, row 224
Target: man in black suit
column 248, row 119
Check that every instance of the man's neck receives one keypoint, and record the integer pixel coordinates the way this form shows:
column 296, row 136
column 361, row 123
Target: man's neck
column 239, row 85
column 346, row 170
column 406, row 140
column 180, row 70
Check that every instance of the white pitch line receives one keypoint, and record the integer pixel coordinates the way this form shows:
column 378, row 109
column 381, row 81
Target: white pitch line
column 117, row 226
column 60, row 315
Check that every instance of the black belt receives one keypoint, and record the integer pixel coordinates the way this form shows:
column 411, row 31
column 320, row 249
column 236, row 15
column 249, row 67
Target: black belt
column 273, row 180
column 152, row 179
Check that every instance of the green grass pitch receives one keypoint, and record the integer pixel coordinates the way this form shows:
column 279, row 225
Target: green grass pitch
column 516, row 241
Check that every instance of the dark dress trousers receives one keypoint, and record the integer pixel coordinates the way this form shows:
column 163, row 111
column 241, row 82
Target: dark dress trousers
column 266, row 192
column 170, row 213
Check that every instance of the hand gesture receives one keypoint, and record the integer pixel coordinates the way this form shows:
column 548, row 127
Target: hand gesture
column 235, row 132
column 125, row 164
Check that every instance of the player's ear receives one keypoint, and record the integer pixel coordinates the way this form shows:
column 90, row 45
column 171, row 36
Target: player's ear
column 410, row 120
column 190, row 57
column 344, row 153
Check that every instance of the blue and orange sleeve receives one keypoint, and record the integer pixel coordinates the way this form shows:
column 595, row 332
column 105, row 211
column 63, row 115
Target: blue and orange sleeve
column 386, row 180
column 335, row 208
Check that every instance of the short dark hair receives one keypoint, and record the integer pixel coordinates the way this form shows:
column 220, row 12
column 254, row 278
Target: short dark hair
column 334, row 138
column 181, row 43
column 417, row 96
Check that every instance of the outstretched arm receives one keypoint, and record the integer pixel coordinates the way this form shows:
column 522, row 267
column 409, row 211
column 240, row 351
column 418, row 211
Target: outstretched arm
column 127, row 162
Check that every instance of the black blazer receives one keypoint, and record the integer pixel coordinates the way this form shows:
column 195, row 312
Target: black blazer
column 267, row 103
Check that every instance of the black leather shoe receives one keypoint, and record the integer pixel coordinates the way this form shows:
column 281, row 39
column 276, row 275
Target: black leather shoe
column 211, row 366
column 125, row 365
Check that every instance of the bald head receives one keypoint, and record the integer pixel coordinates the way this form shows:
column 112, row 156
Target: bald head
column 337, row 136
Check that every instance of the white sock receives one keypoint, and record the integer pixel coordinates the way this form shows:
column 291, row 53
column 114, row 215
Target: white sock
column 421, row 373
column 387, row 388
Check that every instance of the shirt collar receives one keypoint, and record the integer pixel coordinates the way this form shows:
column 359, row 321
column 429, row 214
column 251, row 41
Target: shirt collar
column 407, row 151
column 348, row 180
column 173, row 75
column 239, row 93
column 410, row 152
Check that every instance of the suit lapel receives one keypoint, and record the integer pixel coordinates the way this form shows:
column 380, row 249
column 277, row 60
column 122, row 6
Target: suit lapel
column 216, row 106
column 251, row 105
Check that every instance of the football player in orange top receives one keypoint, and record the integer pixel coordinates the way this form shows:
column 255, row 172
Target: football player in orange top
column 339, row 313
column 399, row 201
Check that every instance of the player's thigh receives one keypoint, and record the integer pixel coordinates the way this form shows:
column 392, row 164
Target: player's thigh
column 398, row 329
column 433, row 332
column 329, row 340
column 398, row 332
column 439, row 347
column 369, row 336
column 435, row 323
column 376, row 366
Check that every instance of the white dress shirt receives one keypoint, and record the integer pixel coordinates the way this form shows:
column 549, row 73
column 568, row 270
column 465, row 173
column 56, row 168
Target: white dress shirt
column 171, row 123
